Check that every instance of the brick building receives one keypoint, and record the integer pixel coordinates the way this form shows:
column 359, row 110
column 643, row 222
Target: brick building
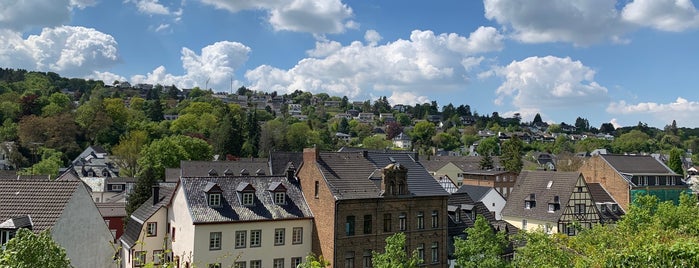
column 501, row 180
column 359, row 198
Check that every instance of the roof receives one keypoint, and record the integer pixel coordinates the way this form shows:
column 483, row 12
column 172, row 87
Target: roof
column 12, row 175
column 636, row 164
column 280, row 161
column 357, row 174
column 143, row 213
column 475, row 192
column 536, row 182
column 612, row 212
column 253, row 166
column 43, row 201
column 599, row 194
column 462, row 162
column 114, row 209
column 232, row 209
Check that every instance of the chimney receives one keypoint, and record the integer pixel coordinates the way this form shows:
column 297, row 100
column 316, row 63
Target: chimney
column 156, row 194
column 310, row 155
column 290, row 172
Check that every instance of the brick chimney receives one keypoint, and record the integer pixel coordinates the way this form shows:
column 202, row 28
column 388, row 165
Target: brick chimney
column 156, row 194
column 310, row 155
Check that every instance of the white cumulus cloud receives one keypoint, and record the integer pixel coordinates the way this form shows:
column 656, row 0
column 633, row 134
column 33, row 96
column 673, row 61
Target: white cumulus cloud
column 313, row 16
column 420, row 65
column 549, row 82
column 214, row 67
column 681, row 109
column 666, row 15
column 69, row 50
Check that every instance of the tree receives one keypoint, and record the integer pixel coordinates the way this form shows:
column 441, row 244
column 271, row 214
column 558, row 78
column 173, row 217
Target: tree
column 313, row 262
column 376, row 142
column 446, row 141
column 393, row 129
column 128, row 151
column 483, row 247
column 675, row 161
column 395, row 255
column 607, row 128
column 511, row 157
column 489, row 146
column 343, row 127
column 49, row 164
column 422, row 133
column 28, row 250
column 486, row 162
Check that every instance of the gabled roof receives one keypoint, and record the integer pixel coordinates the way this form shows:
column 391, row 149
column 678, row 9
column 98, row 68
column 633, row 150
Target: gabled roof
column 462, row 162
column 475, row 192
column 43, row 201
column 280, row 161
column 143, row 213
column 232, row 209
column 562, row 185
column 599, row 194
column 114, row 209
column 218, row 168
column 636, row 164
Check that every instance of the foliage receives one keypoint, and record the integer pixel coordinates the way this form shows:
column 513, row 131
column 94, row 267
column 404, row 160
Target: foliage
column 314, row 262
column 511, row 157
column 29, row 250
column 128, row 151
column 446, row 141
column 49, row 164
column 422, row 133
column 394, row 255
column 489, row 146
column 486, row 162
column 675, row 161
column 483, row 247
column 376, row 142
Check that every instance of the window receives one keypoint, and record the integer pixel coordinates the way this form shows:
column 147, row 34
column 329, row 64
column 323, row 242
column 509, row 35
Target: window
column 580, row 189
column 579, row 208
column 214, row 265
column 256, row 264
column 349, row 226
column 421, row 251
column 239, row 264
column 387, row 222
column 366, row 259
column 152, row 229
column 527, row 204
column 173, row 233
column 552, row 207
column 457, row 215
column 524, row 224
column 421, row 220
column 349, row 259
column 158, row 256
column 214, row 240
column 435, row 219
column 671, row 181
column 278, row 263
column 214, row 200
column 139, row 258
column 316, row 189
column 570, row 230
column 367, row 224
column 401, row 222
column 279, row 198
column 240, row 237
column 401, row 188
column 548, row 228
column 295, row 261
column 435, row 252
column 279, row 236
column 297, row 236
column 248, row 199
column 255, row 239
column 117, row 187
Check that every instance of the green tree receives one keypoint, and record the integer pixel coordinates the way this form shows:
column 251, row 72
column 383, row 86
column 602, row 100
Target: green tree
column 446, row 141
column 675, row 161
column 483, row 247
column 28, row 250
column 489, row 146
column 313, row 262
column 128, row 151
column 486, row 162
column 376, row 142
column 511, row 157
column 50, row 163
column 541, row 250
column 422, row 133
column 395, row 255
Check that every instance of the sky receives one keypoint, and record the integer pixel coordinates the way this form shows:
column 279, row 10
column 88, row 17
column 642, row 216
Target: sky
column 619, row 62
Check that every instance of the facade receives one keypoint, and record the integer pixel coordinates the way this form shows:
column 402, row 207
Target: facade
column 63, row 207
column 555, row 202
column 95, row 168
column 501, row 180
column 486, row 195
column 147, row 236
column 402, row 141
column 359, row 198
column 625, row 176
column 113, row 215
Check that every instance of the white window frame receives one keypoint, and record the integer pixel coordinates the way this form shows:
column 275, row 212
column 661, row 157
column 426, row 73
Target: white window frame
column 241, row 239
column 214, row 199
column 280, row 198
column 297, row 236
column 215, row 240
column 248, row 199
column 255, row 239
column 279, row 236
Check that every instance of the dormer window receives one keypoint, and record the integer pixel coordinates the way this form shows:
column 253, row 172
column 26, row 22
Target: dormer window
column 246, row 193
column 554, row 204
column 214, row 200
column 228, row 173
column 280, row 198
column 213, row 173
column 213, row 194
column 278, row 192
column 530, row 201
column 401, row 188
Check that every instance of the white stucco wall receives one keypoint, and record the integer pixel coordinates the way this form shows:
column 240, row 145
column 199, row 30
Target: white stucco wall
column 181, row 221
column 150, row 243
column 495, row 203
column 532, row 224
column 83, row 233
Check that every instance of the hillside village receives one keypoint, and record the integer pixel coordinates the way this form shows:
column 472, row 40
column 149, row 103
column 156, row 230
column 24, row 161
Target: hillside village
column 131, row 175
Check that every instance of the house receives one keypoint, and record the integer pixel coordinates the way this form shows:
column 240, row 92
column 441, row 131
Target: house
column 94, row 167
column 358, row 198
column 147, row 235
column 501, row 180
column 606, row 205
column 343, row 137
column 554, row 202
column 446, row 183
column 453, row 166
column 625, row 176
column 6, row 150
column 239, row 167
column 64, row 207
column 402, row 141
column 365, row 117
column 242, row 221
column 113, row 215
column 491, row 198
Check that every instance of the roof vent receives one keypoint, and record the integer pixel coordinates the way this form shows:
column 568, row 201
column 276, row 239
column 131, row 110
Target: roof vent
column 244, row 172
column 212, row 172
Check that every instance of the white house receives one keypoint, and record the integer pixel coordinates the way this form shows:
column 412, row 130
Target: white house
column 488, row 196
column 402, row 141
column 147, row 236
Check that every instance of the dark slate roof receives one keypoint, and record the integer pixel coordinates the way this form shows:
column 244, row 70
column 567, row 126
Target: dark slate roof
column 488, row 172
column 220, row 168
column 232, row 209
column 420, row 182
column 280, row 161
column 535, row 182
column 475, row 192
column 18, row 222
column 43, row 201
column 143, row 213
column 636, row 164
column 12, row 175
column 114, row 209
column 599, row 194
column 604, row 200
column 462, row 162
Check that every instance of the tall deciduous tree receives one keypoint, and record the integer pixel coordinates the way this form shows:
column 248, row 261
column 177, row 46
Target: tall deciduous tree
column 675, row 161
column 128, row 151
column 394, row 255
column 483, row 247
column 422, row 133
column 28, row 250
column 511, row 157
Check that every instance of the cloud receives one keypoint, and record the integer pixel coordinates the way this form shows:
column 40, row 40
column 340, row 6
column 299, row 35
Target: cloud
column 21, row 15
column 214, row 67
column 106, row 77
column 313, row 16
column 681, row 110
column 407, row 97
column 372, row 37
column 69, row 50
column 424, row 63
column 665, row 15
column 549, row 82
column 151, row 7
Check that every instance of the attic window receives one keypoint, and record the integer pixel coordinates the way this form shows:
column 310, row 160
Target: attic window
column 214, row 199
column 213, row 194
column 213, row 172
column 244, row 172
column 259, row 172
column 278, row 193
column 246, row 193
column 228, row 173
column 548, row 186
column 530, row 201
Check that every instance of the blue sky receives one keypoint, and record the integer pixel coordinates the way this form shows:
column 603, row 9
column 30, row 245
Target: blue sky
column 604, row 60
